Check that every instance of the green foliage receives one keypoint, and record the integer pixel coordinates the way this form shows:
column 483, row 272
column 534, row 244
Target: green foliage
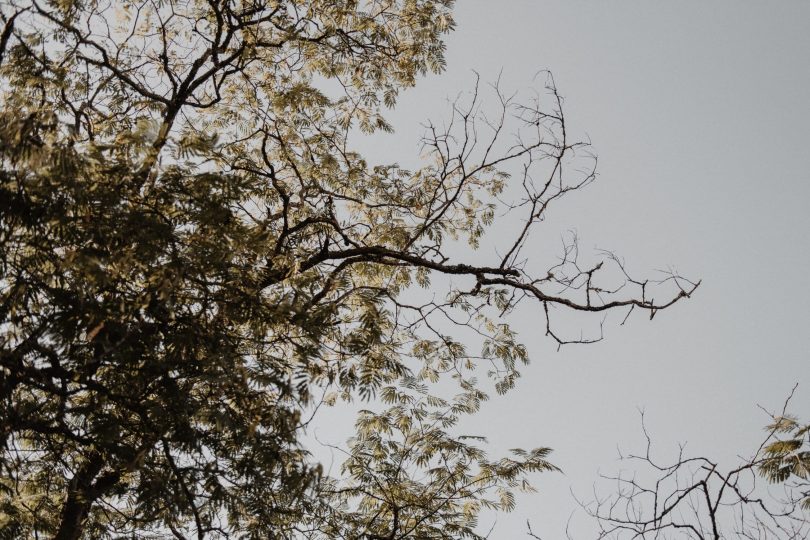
column 415, row 479
column 788, row 457
column 191, row 252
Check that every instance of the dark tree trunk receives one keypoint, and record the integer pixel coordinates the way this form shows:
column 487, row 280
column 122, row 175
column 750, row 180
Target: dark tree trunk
column 80, row 498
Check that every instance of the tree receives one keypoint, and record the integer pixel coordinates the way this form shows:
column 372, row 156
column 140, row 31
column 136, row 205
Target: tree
column 694, row 497
column 194, row 258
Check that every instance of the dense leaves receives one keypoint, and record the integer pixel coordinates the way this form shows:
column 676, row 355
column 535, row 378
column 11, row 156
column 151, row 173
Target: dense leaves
column 193, row 258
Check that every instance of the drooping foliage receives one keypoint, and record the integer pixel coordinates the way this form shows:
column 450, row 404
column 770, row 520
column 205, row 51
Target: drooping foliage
column 787, row 458
column 192, row 257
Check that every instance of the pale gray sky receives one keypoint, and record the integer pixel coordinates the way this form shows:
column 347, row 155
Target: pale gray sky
column 699, row 114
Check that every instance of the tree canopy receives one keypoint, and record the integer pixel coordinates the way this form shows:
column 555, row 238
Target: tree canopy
column 193, row 258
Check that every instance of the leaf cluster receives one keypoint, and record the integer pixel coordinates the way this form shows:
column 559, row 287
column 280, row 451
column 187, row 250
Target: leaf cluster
column 788, row 457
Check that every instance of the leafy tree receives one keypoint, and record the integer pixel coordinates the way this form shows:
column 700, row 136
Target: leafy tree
column 193, row 258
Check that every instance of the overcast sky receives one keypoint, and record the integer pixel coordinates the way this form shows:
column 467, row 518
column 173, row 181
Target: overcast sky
column 699, row 114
